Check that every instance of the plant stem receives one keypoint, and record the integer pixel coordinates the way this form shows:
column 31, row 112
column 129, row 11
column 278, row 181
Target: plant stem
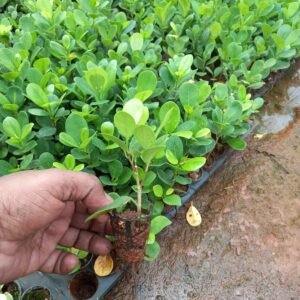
column 139, row 193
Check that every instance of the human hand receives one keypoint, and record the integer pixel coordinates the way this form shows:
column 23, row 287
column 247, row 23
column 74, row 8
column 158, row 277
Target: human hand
column 43, row 209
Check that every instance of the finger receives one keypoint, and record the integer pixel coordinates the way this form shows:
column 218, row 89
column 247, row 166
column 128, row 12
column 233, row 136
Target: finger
column 87, row 189
column 60, row 262
column 80, row 207
column 85, row 240
column 73, row 186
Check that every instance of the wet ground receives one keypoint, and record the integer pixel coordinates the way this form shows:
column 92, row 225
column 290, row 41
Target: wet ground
column 248, row 246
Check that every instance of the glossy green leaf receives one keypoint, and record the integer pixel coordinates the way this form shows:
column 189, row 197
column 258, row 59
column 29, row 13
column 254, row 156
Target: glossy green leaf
column 67, row 140
column 237, row 144
column 159, row 223
column 233, row 112
column 152, row 251
column 136, row 41
column 119, row 202
column 145, row 136
column 172, row 200
column 74, row 125
column 46, row 160
column 169, row 116
column 11, row 127
column 189, row 95
column 158, row 190
column 125, row 124
column 37, row 95
column 171, row 157
column 193, row 164
column 146, row 84
column 137, row 110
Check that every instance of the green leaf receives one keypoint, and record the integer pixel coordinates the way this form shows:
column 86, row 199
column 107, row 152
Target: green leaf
column 169, row 116
column 185, row 134
column 159, row 223
column 292, row 9
column 57, row 49
column 11, row 127
column 98, row 80
column 172, row 200
column 115, row 168
column 69, row 162
column 149, row 154
column 145, row 136
column 257, row 103
column 137, row 110
column 151, row 238
column 107, row 128
column 193, row 164
column 171, row 157
column 152, row 251
column 45, row 7
column 74, row 125
column 117, row 203
column 149, row 178
column 68, row 140
column 78, row 168
column 42, row 64
column 158, row 190
column 215, row 29
column 237, row 144
column 146, row 84
column 5, row 167
column 46, row 160
column 46, row 132
column 37, row 95
column 7, row 58
column 183, row 180
column 175, row 145
column 116, row 140
column 136, row 41
column 204, row 91
column 188, row 96
column 204, row 132
column 26, row 161
column 233, row 112
column 125, row 124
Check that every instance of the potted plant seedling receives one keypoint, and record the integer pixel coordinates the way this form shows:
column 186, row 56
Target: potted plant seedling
column 5, row 295
column 10, row 291
column 141, row 145
column 37, row 293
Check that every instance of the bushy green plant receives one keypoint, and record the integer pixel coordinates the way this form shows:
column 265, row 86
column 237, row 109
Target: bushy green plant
column 138, row 93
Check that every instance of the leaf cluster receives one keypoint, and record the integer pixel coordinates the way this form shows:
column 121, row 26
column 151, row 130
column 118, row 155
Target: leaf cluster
column 135, row 91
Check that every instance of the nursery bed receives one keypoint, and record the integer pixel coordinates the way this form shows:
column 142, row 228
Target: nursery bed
column 59, row 285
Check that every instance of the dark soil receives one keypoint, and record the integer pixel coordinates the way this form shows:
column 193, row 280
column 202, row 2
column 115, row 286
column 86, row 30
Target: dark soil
column 83, row 285
column 13, row 289
column 37, row 293
column 131, row 235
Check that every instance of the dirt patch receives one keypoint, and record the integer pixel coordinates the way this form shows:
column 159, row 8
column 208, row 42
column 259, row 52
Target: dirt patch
column 248, row 245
